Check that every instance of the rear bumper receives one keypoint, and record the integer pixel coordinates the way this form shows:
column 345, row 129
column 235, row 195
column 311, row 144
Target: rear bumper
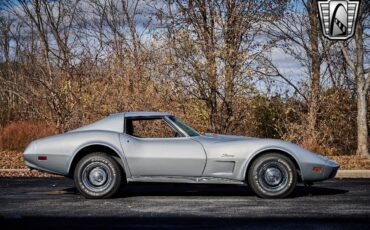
column 56, row 164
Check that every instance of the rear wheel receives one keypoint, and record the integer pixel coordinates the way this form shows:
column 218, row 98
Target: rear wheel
column 98, row 175
column 272, row 175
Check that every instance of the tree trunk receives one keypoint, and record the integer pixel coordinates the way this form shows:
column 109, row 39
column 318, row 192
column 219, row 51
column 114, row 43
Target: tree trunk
column 315, row 72
column 232, row 33
column 362, row 92
column 362, row 129
column 212, row 99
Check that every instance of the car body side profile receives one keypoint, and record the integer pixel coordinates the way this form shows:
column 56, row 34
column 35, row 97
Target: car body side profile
column 158, row 147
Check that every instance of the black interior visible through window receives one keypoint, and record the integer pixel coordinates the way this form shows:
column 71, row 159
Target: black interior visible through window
column 150, row 127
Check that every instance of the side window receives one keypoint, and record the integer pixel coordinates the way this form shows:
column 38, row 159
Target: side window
column 150, row 128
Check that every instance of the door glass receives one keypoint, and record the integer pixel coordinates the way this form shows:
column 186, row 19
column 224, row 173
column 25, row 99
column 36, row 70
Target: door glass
column 150, row 128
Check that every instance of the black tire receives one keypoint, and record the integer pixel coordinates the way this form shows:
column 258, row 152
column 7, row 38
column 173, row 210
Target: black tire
column 98, row 175
column 272, row 175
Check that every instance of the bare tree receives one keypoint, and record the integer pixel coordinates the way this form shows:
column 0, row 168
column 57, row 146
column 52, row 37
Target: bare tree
column 214, row 44
column 312, row 11
column 297, row 34
column 119, row 22
column 50, row 24
column 6, row 93
column 357, row 65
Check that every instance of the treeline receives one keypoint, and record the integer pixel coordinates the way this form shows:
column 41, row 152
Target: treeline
column 219, row 65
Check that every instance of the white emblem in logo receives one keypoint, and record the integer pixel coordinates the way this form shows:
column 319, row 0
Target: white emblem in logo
column 338, row 18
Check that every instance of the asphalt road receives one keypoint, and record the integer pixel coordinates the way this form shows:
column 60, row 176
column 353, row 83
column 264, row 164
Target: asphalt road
column 52, row 203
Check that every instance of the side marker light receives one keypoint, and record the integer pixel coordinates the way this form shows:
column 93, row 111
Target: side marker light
column 42, row 158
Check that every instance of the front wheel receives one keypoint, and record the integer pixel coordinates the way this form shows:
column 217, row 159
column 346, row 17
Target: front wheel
column 98, row 175
column 272, row 175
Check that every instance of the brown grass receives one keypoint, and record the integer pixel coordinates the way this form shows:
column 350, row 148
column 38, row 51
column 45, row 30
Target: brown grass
column 352, row 162
column 17, row 135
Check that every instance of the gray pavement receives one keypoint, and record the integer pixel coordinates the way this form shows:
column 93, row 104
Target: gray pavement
column 52, row 203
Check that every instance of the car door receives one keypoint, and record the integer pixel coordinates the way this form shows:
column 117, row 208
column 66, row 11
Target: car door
column 156, row 155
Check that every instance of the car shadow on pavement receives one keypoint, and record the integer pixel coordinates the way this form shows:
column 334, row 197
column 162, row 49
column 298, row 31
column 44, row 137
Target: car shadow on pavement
column 178, row 189
column 317, row 191
column 164, row 189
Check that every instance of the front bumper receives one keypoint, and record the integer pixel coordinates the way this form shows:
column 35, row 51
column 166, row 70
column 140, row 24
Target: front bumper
column 333, row 171
column 328, row 170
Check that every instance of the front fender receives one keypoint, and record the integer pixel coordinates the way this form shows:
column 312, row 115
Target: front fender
column 264, row 150
column 304, row 159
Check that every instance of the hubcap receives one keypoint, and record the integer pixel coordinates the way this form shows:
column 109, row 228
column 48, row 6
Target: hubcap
column 273, row 176
column 97, row 176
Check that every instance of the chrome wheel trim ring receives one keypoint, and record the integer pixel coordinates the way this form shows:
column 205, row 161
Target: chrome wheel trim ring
column 273, row 176
column 97, row 177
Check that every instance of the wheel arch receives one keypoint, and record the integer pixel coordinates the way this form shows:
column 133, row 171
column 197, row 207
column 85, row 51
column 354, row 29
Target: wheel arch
column 97, row 147
column 274, row 150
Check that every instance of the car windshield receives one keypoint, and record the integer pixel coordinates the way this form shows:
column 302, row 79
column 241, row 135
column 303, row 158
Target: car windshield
column 186, row 128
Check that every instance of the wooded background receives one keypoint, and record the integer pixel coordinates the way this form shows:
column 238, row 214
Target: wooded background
column 257, row 68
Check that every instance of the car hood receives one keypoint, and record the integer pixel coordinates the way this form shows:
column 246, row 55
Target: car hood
column 218, row 143
column 243, row 142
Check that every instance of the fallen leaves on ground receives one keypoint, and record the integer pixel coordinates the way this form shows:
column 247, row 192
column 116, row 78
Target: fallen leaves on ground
column 29, row 173
column 12, row 160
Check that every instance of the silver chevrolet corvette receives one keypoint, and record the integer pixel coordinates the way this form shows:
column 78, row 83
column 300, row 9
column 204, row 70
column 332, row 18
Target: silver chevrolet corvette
column 158, row 147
